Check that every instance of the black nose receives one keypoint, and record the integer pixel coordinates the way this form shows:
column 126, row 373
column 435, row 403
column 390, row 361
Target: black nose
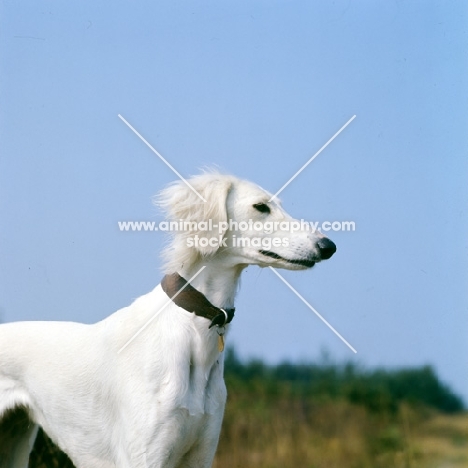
column 326, row 248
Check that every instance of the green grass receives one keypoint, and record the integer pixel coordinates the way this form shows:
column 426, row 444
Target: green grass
column 314, row 416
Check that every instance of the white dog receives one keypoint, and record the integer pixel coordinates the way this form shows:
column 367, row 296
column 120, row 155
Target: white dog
column 144, row 387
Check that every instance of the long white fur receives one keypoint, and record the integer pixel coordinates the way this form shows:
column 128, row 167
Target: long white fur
column 160, row 402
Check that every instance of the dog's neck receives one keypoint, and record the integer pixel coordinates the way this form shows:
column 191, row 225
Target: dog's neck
column 218, row 282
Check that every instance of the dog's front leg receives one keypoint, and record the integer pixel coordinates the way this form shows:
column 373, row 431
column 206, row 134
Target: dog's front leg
column 202, row 454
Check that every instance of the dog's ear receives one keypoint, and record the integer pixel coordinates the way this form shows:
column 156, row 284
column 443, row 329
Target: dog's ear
column 183, row 203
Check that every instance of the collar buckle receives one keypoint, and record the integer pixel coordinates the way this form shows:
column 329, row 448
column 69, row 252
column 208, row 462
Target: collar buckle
column 220, row 320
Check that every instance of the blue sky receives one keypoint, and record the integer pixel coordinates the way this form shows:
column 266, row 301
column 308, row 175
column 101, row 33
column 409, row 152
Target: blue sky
column 254, row 88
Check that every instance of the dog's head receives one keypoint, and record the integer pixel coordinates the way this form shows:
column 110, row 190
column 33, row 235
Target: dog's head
column 215, row 214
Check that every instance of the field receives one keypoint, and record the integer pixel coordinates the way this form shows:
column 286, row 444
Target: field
column 327, row 415
column 300, row 433
column 324, row 416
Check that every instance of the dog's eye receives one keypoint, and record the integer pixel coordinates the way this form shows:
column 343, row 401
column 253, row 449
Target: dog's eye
column 262, row 207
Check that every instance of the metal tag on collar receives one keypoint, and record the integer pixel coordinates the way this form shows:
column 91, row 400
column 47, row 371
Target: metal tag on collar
column 221, row 331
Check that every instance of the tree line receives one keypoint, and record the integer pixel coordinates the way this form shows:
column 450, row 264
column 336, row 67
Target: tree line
column 379, row 390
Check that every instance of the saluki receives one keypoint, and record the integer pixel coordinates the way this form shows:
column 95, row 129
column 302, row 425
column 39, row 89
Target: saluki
column 144, row 387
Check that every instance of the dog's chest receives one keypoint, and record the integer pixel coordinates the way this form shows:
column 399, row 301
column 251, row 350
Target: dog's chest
column 206, row 389
column 187, row 410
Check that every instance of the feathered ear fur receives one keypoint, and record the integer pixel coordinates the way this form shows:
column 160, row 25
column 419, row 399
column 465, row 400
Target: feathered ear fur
column 185, row 207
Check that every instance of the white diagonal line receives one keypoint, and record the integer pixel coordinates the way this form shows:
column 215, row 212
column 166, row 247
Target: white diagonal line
column 159, row 156
column 313, row 157
column 313, row 310
column 163, row 307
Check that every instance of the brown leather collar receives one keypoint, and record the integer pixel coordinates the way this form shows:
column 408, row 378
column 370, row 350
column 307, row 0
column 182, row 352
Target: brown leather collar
column 184, row 295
